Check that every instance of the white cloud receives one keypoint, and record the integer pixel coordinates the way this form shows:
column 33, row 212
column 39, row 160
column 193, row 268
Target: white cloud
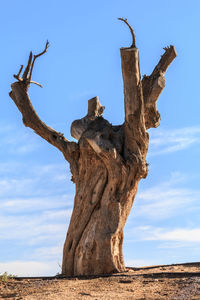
column 56, row 172
column 176, row 235
column 14, row 187
column 140, row 262
column 177, row 245
column 166, row 199
column 168, row 141
column 29, row 268
column 36, row 204
column 33, row 229
column 49, row 253
column 14, row 140
column 33, row 187
column 170, row 238
column 166, row 203
column 36, row 186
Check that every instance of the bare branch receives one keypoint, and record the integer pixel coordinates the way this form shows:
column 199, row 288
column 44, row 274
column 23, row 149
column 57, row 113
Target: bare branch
column 149, row 82
column 20, row 71
column 26, row 78
column 166, row 60
column 26, row 71
column 36, row 56
column 19, row 95
column 133, row 45
column 36, row 83
column 154, row 84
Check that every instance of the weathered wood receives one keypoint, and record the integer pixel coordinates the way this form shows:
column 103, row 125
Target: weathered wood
column 19, row 95
column 136, row 137
column 153, row 85
column 107, row 163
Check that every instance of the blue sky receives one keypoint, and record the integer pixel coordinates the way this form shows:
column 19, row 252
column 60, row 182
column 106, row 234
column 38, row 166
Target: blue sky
column 36, row 194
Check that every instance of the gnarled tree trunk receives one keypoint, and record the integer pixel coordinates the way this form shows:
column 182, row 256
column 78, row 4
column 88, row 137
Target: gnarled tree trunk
column 107, row 163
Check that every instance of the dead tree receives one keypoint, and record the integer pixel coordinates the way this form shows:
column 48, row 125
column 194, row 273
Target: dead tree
column 106, row 163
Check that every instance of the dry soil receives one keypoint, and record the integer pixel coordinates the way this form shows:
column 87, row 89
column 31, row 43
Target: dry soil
column 156, row 282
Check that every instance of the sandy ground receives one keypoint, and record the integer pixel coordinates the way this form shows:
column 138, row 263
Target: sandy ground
column 156, row 282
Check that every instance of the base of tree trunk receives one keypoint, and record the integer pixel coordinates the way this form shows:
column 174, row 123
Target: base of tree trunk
column 104, row 197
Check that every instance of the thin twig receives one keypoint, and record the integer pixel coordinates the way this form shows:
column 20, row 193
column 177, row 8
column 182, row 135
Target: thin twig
column 35, row 83
column 131, row 30
column 20, row 71
column 29, row 68
column 18, row 74
column 36, row 56
column 26, row 71
column 17, row 77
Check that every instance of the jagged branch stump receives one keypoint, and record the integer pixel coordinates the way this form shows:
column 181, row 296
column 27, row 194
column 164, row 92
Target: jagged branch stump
column 107, row 162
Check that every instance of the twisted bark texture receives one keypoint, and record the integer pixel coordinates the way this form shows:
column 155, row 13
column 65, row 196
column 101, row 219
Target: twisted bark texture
column 106, row 163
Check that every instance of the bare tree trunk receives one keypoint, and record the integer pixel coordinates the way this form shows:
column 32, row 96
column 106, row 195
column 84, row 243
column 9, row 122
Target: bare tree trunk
column 106, row 163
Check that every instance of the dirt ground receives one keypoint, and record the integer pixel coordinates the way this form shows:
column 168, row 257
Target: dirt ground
column 157, row 282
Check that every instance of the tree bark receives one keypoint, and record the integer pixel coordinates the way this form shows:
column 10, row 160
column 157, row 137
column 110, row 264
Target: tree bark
column 107, row 163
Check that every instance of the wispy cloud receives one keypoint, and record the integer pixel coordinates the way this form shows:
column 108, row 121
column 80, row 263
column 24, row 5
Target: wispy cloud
column 140, row 262
column 14, row 140
column 36, row 205
column 168, row 141
column 191, row 235
column 164, row 203
column 32, row 229
column 166, row 199
column 168, row 238
column 29, row 268
column 48, row 253
column 19, row 182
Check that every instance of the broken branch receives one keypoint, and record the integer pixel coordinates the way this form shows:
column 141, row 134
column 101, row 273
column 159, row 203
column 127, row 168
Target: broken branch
column 154, row 84
column 133, row 45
